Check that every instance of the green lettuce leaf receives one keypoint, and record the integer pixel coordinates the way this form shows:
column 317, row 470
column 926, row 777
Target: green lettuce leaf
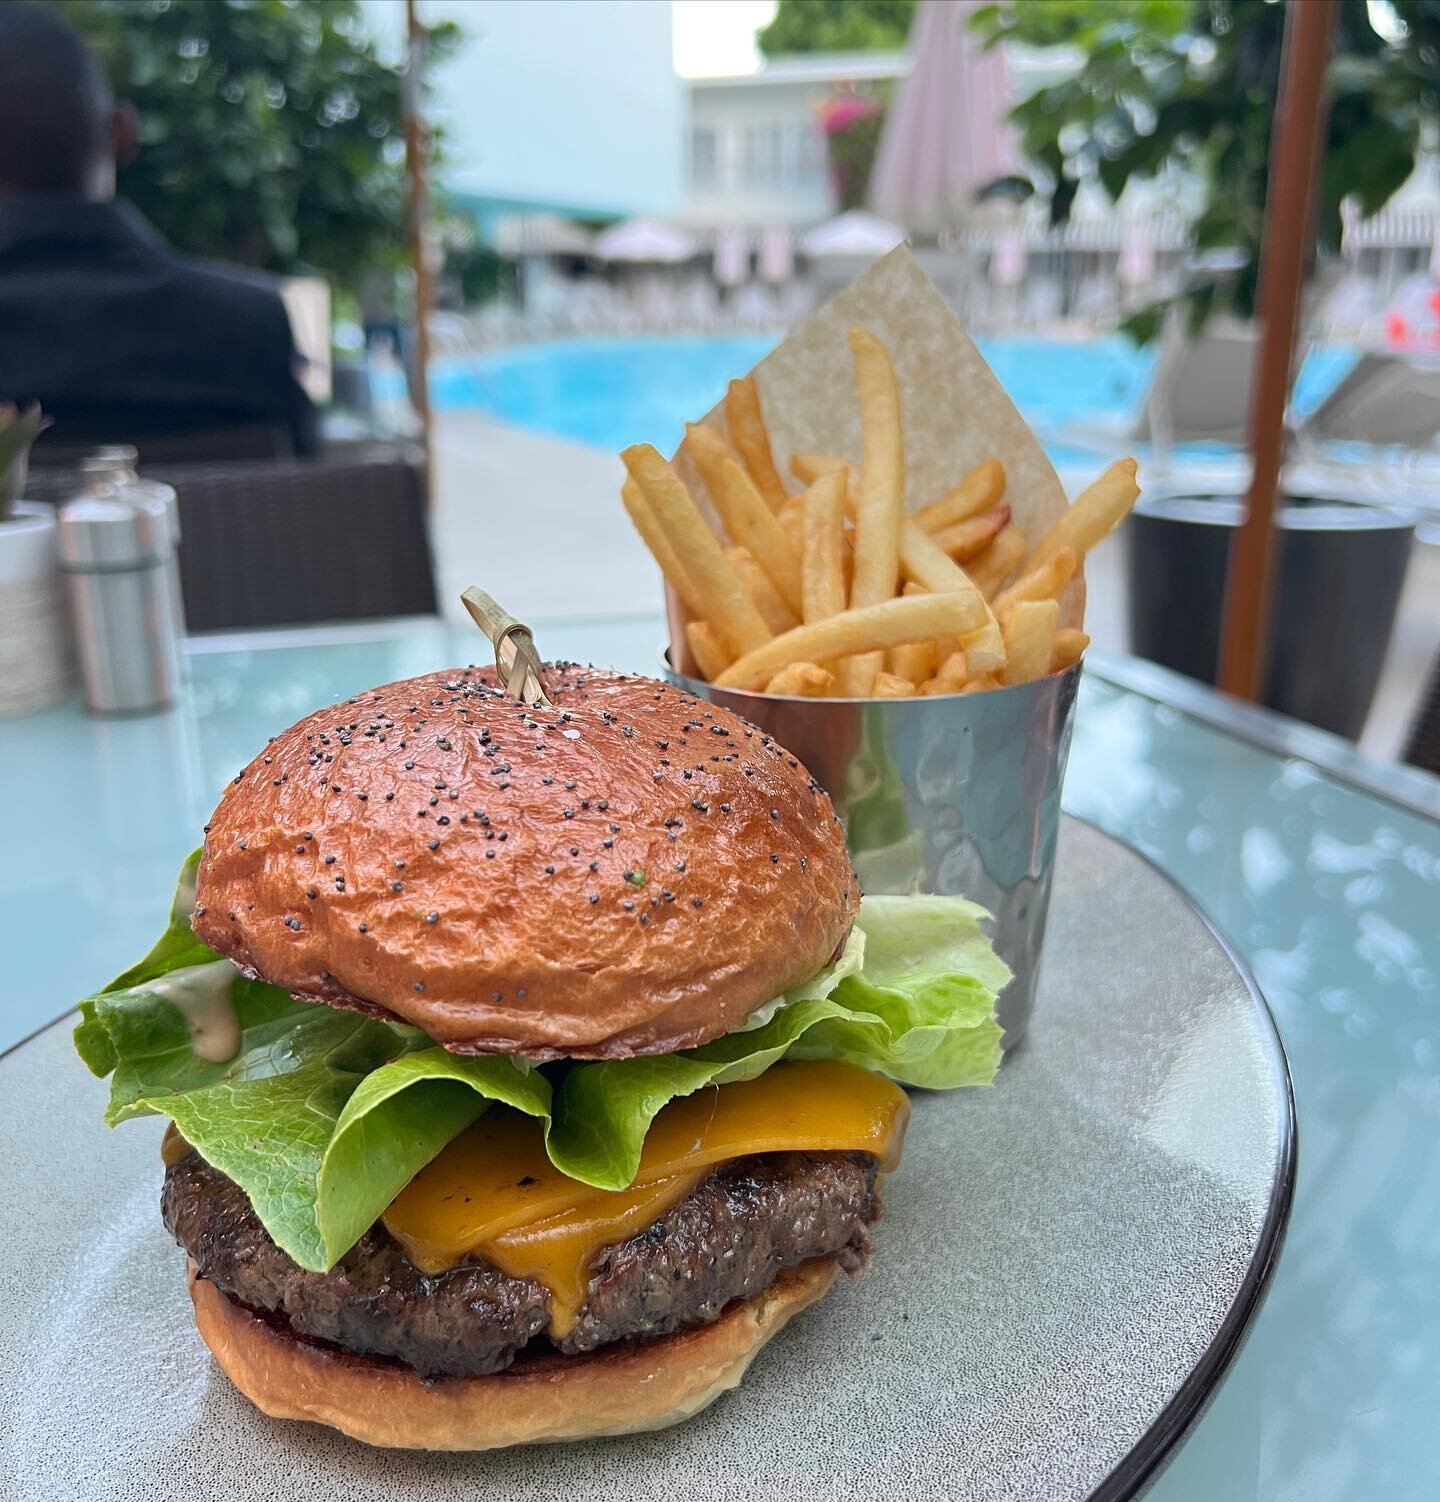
column 912, row 997
column 322, row 1116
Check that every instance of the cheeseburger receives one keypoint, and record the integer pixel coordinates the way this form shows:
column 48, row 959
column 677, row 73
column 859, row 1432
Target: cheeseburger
column 528, row 1066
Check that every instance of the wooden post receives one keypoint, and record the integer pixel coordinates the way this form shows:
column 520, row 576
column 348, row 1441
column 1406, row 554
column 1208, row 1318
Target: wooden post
column 1295, row 152
column 417, row 165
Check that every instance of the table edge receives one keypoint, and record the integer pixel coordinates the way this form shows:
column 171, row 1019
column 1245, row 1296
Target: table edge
column 1410, row 788
column 1160, row 1442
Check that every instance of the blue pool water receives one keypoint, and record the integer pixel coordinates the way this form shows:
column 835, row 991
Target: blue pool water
column 615, row 391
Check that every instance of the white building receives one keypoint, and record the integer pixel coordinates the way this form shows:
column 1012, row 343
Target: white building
column 565, row 106
column 755, row 152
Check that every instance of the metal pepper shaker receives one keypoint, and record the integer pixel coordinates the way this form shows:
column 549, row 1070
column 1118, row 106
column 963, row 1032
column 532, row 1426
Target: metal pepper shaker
column 113, row 555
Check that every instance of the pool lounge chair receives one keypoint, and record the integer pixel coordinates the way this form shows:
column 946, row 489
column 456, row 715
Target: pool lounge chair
column 1200, row 393
column 1386, row 399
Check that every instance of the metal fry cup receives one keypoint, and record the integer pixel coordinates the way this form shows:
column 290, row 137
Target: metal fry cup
column 958, row 795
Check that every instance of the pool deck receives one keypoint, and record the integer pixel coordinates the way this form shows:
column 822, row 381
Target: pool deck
column 537, row 521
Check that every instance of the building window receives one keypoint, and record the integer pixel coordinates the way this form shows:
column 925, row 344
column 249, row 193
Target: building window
column 702, row 156
column 801, row 157
column 762, row 152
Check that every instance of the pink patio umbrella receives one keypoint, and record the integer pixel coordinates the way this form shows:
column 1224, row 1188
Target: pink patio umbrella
column 946, row 132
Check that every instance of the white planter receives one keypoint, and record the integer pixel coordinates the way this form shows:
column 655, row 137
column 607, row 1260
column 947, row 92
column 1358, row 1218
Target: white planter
column 36, row 661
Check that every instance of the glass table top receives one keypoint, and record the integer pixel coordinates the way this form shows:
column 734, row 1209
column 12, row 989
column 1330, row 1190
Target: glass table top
column 1327, row 888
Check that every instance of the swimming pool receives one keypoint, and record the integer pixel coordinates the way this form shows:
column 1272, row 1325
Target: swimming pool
column 611, row 391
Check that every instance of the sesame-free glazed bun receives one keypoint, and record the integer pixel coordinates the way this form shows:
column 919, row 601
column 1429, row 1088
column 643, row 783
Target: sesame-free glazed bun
column 634, row 871
column 622, row 1389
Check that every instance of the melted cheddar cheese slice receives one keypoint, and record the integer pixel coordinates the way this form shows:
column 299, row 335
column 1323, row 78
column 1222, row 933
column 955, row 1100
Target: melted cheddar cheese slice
column 494, row 1193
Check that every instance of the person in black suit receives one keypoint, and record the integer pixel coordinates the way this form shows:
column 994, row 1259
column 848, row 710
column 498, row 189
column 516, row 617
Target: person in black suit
column 117, row 335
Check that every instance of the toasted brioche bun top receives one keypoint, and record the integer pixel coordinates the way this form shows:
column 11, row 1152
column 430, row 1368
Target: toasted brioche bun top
column 633, row 871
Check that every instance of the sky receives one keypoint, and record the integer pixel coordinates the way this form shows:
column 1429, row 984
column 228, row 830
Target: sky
column 716, row 37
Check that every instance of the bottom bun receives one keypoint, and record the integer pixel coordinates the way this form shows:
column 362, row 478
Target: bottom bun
column 620, row 1389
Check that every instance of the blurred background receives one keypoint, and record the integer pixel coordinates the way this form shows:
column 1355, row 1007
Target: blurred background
column 606, row 208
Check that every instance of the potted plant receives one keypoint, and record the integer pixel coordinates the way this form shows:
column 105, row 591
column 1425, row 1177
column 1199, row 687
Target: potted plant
column 35, row 663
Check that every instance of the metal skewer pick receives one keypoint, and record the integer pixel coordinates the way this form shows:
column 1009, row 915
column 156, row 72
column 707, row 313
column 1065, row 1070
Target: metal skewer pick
column 516, row 660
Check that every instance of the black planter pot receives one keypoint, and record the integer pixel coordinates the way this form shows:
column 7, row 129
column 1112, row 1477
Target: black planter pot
column 1339, row 572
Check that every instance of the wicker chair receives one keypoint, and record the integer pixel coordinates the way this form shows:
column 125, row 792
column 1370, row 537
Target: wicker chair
column 240, row 442
column 288, row 542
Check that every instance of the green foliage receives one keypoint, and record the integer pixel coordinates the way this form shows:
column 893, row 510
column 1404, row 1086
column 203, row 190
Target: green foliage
column 1191, row 85
column 837, row 26
column 271, row 131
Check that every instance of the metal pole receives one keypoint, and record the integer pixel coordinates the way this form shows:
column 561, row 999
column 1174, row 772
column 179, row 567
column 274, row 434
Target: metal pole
column 416, row 165
column 1295, row 152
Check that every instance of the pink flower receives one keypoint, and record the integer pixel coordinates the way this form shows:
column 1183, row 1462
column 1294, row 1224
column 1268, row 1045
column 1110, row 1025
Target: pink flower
column 840, row 114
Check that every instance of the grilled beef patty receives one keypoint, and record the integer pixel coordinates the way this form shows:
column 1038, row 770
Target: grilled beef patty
column 729, row 1239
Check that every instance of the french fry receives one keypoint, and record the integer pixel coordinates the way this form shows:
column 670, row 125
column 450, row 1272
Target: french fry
column 950, row 677
column 1096, row 511
column 984, row 649
column 755, row 527
column 822, row 558
column 891, row 686
column 870, row 628
column 807, row 468
column 708, row 449
column 802, row 680
column 1045, row 581
column 776, row 614
column 965, row 539
column 880, row 500
column 915, row 661
column 925, row 562
column 954, row 669
column 942, row 646
column 980, row 684
column 977, row 492
column 720, row 595
column 994, row 566
column 708, row 649
column 1068, row 649
column 792, row 522
column 1029, row 631
column 752, row 440
column 642, row 515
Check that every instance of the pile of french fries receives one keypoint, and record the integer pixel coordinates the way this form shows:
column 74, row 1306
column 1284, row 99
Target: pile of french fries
column 835, row 591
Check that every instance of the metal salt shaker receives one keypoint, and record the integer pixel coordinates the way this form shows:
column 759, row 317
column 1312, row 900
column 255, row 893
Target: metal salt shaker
column 113, row 556
column 113, row 467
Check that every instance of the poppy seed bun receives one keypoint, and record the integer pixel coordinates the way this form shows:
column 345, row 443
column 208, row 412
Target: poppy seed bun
column 632, row 872
column 624, row 1389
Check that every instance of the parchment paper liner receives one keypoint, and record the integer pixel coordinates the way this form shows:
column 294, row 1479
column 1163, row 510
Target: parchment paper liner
column 954, row 411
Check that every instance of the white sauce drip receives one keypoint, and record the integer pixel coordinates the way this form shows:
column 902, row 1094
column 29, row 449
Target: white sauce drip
column 204, row 995
column 184, row 902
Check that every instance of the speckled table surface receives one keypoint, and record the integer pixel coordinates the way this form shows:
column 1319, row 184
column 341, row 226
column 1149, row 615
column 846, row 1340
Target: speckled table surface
column 1325, row 883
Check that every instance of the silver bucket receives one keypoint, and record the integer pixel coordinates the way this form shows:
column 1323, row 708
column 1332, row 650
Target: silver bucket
column 957, row 794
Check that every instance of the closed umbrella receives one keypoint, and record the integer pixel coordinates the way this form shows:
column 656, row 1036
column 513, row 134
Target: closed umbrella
column 645, row 241
column 1136, row 266
column 945, row 134
column 732, row 258
column 777, row 258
